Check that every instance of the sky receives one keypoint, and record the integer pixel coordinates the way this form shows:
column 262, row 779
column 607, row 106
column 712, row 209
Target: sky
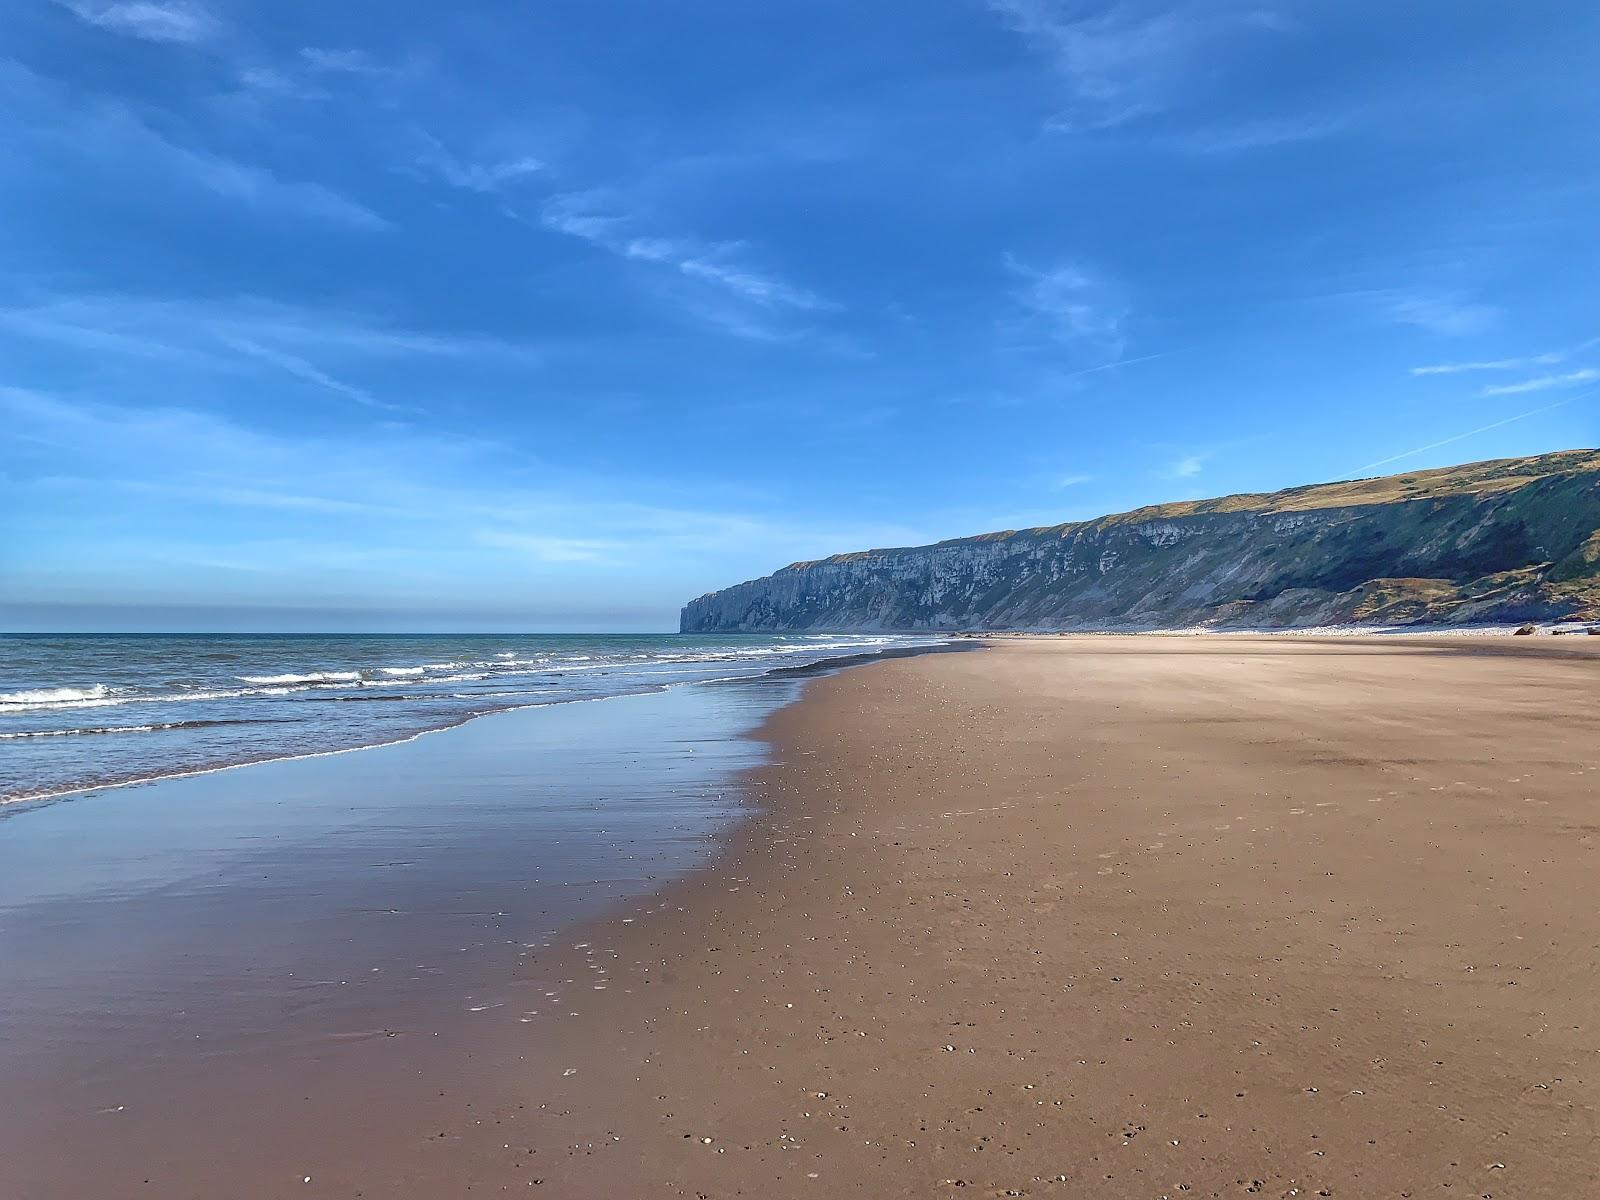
column 552, row 316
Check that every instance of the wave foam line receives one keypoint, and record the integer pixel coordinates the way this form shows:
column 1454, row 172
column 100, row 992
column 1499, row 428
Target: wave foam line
column 55, row 695
column 153, row 727
column 312, row 677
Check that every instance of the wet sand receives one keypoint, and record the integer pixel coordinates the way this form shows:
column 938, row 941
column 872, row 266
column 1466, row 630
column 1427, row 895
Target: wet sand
column 1095, row 916
column 226, row 984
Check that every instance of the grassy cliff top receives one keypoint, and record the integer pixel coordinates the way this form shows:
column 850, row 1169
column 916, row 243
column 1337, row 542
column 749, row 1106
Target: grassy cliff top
column 1480, row 478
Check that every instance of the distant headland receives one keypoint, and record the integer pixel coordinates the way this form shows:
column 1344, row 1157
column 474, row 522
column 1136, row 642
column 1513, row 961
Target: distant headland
column 1504, row 541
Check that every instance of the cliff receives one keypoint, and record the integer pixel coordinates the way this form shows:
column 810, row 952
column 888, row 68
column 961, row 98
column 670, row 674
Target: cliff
column 1508, row 540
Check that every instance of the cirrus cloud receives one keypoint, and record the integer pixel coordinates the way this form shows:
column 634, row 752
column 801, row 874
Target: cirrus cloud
column 149, row 20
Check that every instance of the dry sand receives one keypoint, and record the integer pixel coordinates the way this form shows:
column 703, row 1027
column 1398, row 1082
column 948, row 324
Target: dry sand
column 1113, row 917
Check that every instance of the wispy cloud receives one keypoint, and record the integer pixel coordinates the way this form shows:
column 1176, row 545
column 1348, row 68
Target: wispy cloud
column 151, row 20
column 277, row 83
column 1067, row 481
column 435, row 160
column 603, row 219
column 1115, row 65
column 1493, row 364
column 116, row 144
column 313, row 345
column 717, row 264
column 1461, row 437
column 1548, row 359
column 553, row 549
column 303, row 369
column 1110, row 366
column 1125, row 61
column 1448, row 314
column 264, row 191
column 1187, row 467
column 348, row 62
column 316, row 74
column 1260, row 135
column 595, row 215
column 1543, row 383
column 1075, row 307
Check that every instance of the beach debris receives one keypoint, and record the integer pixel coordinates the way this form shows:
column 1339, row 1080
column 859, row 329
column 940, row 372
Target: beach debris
column 1523, row 631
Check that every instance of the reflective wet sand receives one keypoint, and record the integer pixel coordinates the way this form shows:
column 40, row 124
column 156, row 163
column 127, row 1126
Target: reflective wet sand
column 225, row 984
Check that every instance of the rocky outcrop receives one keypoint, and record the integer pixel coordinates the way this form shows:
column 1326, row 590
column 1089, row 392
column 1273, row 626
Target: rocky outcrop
column 1505, row 541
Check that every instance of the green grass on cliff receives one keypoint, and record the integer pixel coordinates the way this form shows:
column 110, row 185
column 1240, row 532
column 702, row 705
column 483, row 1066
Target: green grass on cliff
column 1480, row 478
column 1495, row 475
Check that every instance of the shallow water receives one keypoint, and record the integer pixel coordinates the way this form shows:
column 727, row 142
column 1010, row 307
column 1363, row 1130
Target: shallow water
column 86, row 710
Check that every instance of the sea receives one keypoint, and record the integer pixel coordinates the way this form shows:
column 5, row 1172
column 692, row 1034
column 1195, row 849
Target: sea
column 82, row 711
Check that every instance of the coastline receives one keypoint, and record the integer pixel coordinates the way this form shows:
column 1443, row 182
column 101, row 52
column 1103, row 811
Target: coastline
column 248, row 959
column 833, row 657
column 1110, row 916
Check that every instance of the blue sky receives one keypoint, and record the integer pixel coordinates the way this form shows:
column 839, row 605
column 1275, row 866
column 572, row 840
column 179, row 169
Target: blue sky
column 554, row 315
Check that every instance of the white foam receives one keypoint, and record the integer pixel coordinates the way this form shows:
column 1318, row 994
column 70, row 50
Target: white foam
column 311, row 677
column 40, row 733
column 57, row 695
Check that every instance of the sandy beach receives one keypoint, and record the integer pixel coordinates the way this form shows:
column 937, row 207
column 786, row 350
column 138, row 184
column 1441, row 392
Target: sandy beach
column 1137, row 917
column 1080, row 916
column 811, row 601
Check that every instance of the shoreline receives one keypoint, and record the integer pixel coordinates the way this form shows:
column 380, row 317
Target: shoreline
column 1016, row 923
column 13, row 805
column 299, row 923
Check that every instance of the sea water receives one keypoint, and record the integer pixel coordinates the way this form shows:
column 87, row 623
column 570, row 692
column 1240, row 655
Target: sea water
column 81, row 711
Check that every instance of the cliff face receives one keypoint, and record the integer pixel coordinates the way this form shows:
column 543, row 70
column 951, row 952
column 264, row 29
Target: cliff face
column 1509, row 540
